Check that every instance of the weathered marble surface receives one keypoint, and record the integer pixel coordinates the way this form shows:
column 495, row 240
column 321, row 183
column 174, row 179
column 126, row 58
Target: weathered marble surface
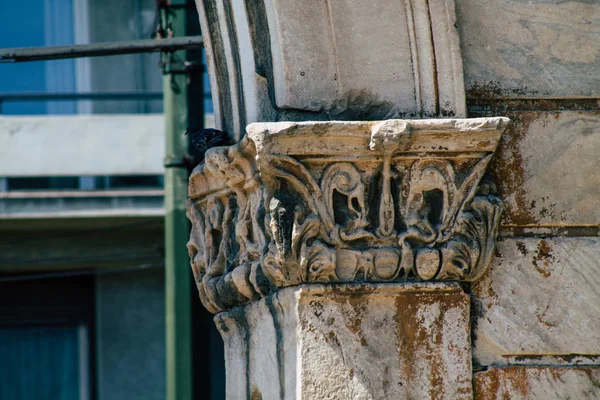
column 360, row 201
column 272, row 60
column 520, row 48
column 546, row 168
column 311, row 60
column 381, row 341
column 543, row 383
column 338, row 56
column 540, row 297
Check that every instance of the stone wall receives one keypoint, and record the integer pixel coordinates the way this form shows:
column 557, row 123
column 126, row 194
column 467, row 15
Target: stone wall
column 536, row 313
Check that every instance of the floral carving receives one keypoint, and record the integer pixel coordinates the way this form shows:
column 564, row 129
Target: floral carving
column 339, row 202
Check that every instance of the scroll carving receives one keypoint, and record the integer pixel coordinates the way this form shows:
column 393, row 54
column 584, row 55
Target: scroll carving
column 341, row 202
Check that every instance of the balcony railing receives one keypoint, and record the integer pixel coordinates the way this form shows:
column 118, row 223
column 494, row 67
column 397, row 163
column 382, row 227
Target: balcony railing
column 96, row 96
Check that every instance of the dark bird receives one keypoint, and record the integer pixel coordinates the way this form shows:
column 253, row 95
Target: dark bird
column 204, row 139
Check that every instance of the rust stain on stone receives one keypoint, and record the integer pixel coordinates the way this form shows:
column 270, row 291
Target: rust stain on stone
column 497, row 252
column 353, row 304
column 491, row 293
column 354, row 323
column 507, row 169
column 521, row 247
column 306, row 325
column 317, row 307
column 355, row 307
column 501, row 383
column 557, row 373
column 519, row 380
column 508, row 165
column 486, row 386
column 543, row 258
column 255, row 394
column 593, row 377
column 515, row 382
column 406, row 329
column 331, row 335
column 415, row 341
column 484, row 297
column 540, row 318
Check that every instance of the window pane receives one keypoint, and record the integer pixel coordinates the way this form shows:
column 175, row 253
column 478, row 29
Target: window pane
column 135, row 181
column 39, row 363
column 43, row 183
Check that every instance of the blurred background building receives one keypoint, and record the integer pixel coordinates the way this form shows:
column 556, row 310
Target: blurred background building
column 82, row 312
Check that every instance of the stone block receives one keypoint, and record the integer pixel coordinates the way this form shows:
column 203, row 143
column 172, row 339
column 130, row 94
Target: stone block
column 339, row 57
column 546, row 168
column 537, row 383
column 539, row 303
column 350, row 341
column 517, row 48
column 349, row 60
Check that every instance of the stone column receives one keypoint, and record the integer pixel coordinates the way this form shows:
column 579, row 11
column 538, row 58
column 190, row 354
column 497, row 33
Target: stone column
column 331, row 252
column 334, row 249
column 350, row 341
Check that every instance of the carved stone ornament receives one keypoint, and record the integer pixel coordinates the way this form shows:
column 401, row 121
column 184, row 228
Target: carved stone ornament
column 368, row 201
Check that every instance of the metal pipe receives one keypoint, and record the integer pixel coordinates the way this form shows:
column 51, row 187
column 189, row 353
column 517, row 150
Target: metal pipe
column 178, row 279
column 100, row 49
column 31, row 96
column 42, row 96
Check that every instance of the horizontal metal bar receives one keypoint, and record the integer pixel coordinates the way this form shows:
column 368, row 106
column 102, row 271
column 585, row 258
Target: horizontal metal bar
column 27, row 96
column 100, row 49
column 79, row 193
column 41, row 96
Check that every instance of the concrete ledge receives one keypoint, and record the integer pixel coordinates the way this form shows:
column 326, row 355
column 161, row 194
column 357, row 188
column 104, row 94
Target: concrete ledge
column 82, row 145
column 77, row 145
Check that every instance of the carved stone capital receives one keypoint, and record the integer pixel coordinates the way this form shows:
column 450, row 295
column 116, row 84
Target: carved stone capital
column 367, row 201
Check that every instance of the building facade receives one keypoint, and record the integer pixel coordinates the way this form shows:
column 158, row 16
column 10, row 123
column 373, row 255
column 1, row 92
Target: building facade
column 82, row 312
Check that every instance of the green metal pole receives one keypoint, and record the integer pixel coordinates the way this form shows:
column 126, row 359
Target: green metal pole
column 177, row 270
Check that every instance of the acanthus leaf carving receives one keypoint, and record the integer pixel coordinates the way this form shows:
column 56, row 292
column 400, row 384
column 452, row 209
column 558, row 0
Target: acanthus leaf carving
column 341, row 202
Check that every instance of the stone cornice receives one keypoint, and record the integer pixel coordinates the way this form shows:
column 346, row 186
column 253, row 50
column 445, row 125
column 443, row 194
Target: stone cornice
column 366, row 201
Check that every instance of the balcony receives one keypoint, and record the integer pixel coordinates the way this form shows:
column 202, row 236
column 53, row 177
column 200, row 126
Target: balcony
column 101, row 166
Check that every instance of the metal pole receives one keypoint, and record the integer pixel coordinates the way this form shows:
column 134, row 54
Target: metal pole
column 177, row 270
column 100, row 49
column 45, row 96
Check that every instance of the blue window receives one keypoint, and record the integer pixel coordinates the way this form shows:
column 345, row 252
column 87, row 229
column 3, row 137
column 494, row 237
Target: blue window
column 44, row 362
column 36, row 23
